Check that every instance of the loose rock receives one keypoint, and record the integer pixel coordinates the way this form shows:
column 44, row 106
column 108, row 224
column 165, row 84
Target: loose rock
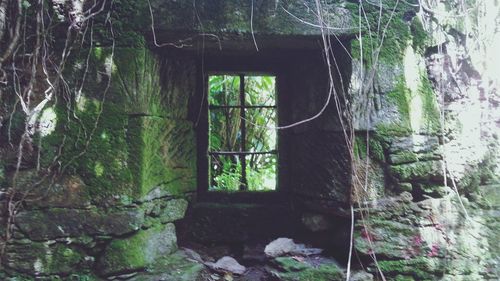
column 227, row 264
column 286, row 246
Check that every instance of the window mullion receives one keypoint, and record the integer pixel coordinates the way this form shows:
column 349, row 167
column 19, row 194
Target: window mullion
column 244, row 183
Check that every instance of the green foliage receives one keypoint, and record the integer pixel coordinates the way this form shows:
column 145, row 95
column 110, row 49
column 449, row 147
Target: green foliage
column 225, row 132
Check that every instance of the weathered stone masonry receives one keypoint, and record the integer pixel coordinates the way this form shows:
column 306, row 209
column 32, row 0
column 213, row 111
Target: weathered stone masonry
column 127, row 182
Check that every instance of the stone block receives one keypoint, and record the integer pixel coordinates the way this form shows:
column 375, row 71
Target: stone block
column 54, row 223
column 390, row 239
column 35, row 258
column 425, row 170
column 173, row 210
column 166, row 210
column 404, row 157
column 414, row 143
column 272, row 19
column 68, row 192
column 178, row 266
column 138, row 251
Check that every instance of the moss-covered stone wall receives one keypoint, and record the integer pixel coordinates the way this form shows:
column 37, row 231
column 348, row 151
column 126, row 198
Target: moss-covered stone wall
column 126, row 152
column 420, row 176
column 117, row 165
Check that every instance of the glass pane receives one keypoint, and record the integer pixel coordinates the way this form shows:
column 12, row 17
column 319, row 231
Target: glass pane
column 224, row 132
column 261, row 172
column 261, row 135
column 223, row 90
column 260, row 90
column 225, row 173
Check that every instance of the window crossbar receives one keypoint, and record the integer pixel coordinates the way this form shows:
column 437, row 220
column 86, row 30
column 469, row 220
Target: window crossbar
column 242, row 152
column 241, row 106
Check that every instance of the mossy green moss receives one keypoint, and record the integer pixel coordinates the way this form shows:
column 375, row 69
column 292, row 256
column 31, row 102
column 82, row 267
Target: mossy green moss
column 136, row 82
column 401, row 97
column 126, row 254
column 404, row 157
column 392, row 130
column 138, row 251
column 94, row 147
column 130, row 20
column 431, row 114
column 392, row 42
column 178, row 267
column 420, row 268
column 116, row 155
column 404, row 99
column 163, row 154
column 420, row 38
column 299, row 271
column 376, row 149
column 36, row 258
column 360, row 147
column 423, row 170
column 62, row 256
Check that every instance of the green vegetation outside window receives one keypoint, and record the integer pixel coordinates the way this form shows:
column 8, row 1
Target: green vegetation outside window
column 242, row 144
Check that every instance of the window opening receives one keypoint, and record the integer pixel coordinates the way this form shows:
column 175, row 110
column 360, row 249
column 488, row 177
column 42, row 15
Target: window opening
column 242, row 144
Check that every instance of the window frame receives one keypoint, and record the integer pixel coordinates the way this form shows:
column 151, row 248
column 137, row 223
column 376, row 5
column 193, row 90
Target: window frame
column 244, row 150
column 203, row 142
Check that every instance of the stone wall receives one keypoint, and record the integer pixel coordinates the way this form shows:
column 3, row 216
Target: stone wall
column 433, row 214
column 127, row 152
column 122, row 142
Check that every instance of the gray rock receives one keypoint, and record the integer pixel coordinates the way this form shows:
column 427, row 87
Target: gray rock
column 280, row 247
column 227, row 264
column 55, row 223
column 192, row 255
column 286, row 246
column 173, row 210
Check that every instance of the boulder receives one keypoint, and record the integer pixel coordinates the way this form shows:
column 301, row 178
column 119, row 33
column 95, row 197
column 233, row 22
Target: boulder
column 286, row 246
